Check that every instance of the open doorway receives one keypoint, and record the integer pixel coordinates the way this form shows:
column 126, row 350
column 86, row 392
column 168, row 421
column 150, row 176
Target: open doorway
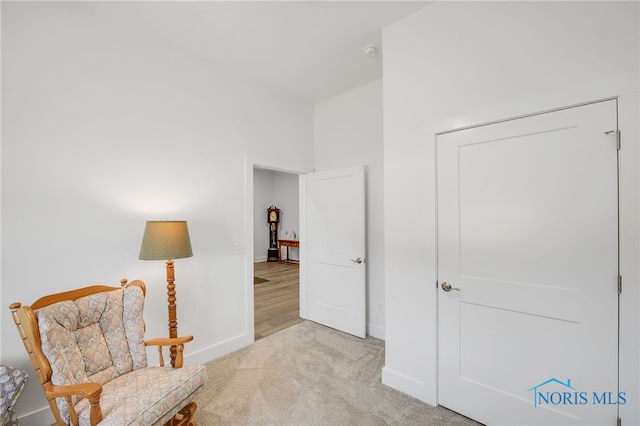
column 276, row 281
column 277, row 299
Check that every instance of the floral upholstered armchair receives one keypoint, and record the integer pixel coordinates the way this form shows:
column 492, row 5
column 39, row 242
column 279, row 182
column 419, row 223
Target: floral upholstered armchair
column 12, row 383
column 87, row 347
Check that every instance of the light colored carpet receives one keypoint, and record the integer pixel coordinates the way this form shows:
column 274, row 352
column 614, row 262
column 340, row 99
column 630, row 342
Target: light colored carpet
column 310, row 375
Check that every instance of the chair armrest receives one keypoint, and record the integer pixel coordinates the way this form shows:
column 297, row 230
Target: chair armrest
column 168, row 341
column 87, row 390
column 91, row 391
column 177, row 346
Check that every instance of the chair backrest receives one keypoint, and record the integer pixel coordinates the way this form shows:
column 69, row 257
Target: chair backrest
column 93, row 334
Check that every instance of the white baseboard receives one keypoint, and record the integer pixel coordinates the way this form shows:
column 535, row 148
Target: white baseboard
column 405, row 384
column 376, row 331
column 43, row 416
column 220, row 349
column 260, row 259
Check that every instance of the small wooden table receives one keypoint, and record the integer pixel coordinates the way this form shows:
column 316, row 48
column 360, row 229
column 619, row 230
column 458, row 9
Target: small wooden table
column 287, row 244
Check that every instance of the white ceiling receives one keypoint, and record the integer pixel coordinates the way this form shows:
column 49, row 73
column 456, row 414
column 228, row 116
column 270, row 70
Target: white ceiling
column 311, row 49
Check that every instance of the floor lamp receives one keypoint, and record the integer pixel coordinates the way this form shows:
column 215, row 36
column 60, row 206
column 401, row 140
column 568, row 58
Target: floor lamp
column 167, row 240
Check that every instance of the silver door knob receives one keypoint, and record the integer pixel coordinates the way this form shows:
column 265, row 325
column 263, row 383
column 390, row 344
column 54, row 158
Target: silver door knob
column 447, row 287
column 358, row 260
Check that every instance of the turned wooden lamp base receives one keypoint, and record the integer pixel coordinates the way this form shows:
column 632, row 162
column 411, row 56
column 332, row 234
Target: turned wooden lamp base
column 171, row 298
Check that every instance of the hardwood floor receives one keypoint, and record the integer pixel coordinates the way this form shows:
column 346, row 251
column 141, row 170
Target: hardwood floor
column 276, row 302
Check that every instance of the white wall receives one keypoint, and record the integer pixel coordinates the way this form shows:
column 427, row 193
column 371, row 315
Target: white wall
column 103, row 129
column 348, row 132
column 279, row 189
column 462, row 63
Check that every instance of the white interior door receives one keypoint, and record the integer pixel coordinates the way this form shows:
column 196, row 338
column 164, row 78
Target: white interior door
column 528, row 241
column 333, row 274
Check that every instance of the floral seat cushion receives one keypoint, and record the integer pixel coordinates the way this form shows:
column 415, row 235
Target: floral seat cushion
column 153, row 395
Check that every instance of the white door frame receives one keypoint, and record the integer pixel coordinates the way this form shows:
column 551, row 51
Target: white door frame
column 618, row 236
column 250, row 164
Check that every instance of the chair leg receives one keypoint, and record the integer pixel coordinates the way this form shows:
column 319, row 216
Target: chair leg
column 184, row 417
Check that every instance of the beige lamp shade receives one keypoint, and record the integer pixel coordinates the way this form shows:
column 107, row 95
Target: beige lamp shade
column 165, row 240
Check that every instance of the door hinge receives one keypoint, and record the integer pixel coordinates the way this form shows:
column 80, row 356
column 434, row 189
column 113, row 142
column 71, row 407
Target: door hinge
column 619, row 284
column 617, row 133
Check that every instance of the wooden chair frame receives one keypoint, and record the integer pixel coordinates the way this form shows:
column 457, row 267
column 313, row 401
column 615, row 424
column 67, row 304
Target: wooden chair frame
column 27, row 324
